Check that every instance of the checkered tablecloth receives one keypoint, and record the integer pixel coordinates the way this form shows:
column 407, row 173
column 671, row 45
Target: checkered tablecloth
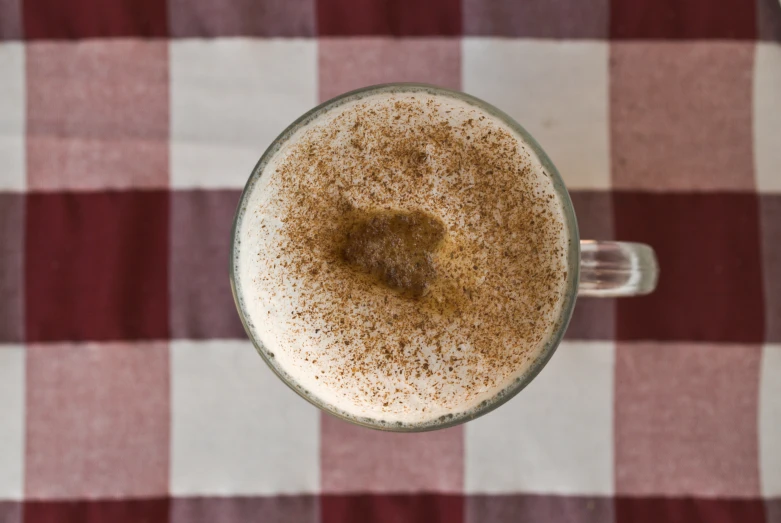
column 128, row 390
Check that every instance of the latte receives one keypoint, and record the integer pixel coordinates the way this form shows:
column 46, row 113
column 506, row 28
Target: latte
column 402, row 257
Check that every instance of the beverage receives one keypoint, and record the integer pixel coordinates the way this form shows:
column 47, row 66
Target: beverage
column 403, row 257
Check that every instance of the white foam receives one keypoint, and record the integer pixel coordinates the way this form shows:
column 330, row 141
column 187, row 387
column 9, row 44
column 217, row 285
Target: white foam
column 272, row 300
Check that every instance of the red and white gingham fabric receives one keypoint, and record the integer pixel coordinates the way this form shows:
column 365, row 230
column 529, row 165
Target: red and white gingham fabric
column 128, row 390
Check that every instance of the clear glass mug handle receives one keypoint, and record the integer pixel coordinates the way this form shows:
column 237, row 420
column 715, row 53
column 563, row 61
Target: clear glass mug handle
column 615, row 269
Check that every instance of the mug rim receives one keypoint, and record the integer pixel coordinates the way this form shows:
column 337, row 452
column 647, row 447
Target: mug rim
column 573, row 252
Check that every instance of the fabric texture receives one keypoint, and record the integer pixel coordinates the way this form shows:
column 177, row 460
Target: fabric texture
column 128, row 389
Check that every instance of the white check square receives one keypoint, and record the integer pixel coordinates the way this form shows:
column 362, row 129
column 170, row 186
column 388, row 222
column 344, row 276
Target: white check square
column 12, row 116
column 12, row 414
column 557, row 90
column 770, row 421
column 229, row 99
column 767, row 116
column 236, row 428
column 556, row 436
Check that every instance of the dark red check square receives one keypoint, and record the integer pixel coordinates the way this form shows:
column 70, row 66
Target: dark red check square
column 710, row 285
column 687, row 510
column 683, row 19
column 97, row 266
column 389, row 17
column 76, row 19
column 392, row 508
column 97, row 511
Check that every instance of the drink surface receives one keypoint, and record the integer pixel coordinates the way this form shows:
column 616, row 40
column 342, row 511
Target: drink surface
column 403, row 257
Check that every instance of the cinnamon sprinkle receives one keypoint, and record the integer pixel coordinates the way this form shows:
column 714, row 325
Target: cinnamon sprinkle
column 409, row 342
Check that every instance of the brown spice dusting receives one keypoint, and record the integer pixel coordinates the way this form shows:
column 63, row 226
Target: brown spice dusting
column 398, row 248
column 427, row 254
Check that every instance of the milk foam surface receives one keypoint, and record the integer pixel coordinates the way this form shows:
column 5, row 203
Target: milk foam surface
column 361, row 348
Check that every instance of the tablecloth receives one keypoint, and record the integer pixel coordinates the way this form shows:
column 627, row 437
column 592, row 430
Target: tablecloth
column 128, row 390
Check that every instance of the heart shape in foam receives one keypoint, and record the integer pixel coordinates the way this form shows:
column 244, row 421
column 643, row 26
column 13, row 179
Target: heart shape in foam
column 397, row 248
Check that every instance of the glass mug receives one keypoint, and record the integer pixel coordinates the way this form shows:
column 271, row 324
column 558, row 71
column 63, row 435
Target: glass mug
column 596, row 268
